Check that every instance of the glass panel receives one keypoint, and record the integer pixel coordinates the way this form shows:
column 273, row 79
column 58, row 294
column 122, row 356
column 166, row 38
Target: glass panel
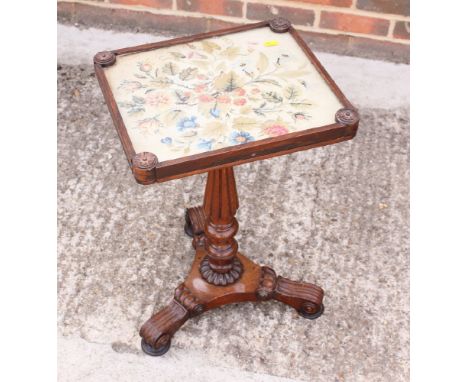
column 219, row 92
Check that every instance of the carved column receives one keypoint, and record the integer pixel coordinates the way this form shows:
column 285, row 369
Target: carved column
column 221, row 266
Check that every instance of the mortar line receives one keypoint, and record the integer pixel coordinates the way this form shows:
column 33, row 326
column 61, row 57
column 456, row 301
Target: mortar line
column 236, row 20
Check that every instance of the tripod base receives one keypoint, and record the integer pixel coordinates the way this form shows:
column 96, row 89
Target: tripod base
column 196, row 296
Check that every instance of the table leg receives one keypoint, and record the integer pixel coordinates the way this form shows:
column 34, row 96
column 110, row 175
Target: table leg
column 221, row 275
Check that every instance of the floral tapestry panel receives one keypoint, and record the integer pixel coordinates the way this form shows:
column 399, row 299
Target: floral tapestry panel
column 219, row 92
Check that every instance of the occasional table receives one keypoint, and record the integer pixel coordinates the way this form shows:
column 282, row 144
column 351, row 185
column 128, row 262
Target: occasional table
column 206, row 103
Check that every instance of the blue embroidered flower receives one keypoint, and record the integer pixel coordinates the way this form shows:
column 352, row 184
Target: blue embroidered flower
column 215, row 112
column 205, row 144
column 187, row 123
column 167, row 140
column 240, row 137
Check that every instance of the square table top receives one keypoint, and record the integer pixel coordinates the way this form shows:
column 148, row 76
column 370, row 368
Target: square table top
column 186, row 99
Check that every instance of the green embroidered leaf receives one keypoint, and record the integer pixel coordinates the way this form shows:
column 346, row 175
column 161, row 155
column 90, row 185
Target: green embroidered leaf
column 138, row 100
column 161, row 82
column 214, row 129
column 187, row 74
column 177, row 54
column 209, row 46
column 244, row 123
column 200, row 64
column 125, row 104
column 272, row 97
column 231, row 53
column 170, row 69
column 268, row 81
column 301, row 106
column 291, row 92
column 227, row 82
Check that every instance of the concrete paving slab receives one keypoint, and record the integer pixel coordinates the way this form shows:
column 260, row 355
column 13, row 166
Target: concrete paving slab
column 105, row 364
column 337, row 216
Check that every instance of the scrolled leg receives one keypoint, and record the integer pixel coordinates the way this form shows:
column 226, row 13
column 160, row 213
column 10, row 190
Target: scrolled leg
column 304, row 297
column 195, row 225
column 157, row 332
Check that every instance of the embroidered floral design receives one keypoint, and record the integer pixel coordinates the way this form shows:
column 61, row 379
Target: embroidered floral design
column 213, row 93
column 240, row 137
column 205, row 144
column 187, row 123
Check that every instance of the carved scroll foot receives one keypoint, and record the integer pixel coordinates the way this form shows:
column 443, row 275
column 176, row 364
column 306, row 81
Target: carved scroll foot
column 157, row 332
column 304, row 297
column 195, row 225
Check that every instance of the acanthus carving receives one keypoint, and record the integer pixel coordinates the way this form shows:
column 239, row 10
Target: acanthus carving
column 267, row 284
column 184, row 296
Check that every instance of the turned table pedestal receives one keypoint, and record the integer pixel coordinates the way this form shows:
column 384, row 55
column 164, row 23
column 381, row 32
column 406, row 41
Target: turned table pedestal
column 206, row 103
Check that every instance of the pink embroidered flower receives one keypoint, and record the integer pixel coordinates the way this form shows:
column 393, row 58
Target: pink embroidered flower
column 200, row 88
column 145, row 67
column 276, row 130
column 299, row 116
column 148, row 123
column 239, row 92
column 206, row 98
column 223, row 99
column 130, row 86
column 201, row 77
column 240, row 101
column 156, row 99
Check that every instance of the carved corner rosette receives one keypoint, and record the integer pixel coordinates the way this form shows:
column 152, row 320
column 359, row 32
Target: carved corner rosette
column 280, row 25
column 184, row 296
column 144, row 167
column 267, row 284
column 346, row 116
column 104, row 59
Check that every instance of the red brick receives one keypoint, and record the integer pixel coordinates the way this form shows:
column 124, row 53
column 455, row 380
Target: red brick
column 336, row 3
column 402, row 30
column 136, row 21
column 352, row 23
column 127, row 20
column 296, row 16
column 398, row 7
column 358, row 46
column 148, row 3
column 213, row 7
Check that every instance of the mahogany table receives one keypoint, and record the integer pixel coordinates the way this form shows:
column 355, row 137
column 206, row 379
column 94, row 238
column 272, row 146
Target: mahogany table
column 206, row 103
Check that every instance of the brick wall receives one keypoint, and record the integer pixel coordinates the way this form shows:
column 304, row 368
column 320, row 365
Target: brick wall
column 368, row 28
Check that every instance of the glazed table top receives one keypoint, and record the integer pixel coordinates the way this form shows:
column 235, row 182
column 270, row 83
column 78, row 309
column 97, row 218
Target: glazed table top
column 218, row 92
